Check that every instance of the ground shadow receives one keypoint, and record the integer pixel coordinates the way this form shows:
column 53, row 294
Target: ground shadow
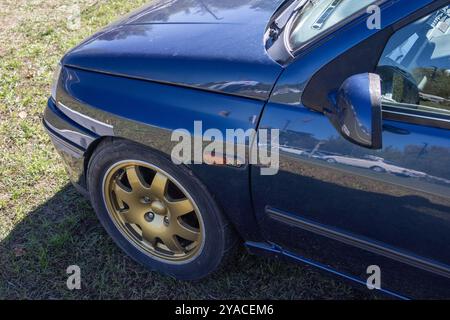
column 64, row 231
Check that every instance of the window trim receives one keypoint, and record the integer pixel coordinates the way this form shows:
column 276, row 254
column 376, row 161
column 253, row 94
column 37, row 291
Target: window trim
column 418, row 117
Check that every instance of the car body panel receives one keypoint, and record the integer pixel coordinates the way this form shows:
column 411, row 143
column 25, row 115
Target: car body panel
column 408, row 214
column 394, row 217
column 150, row 46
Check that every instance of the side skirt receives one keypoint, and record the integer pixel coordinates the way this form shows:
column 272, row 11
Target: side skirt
column 266, row 249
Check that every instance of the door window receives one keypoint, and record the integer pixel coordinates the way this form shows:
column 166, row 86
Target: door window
column 415, row 65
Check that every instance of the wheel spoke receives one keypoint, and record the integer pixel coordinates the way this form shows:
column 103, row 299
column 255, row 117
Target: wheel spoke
column 180, row 208
column 186, row 232
column 148, row 236
column 135, row 179
column 133, row 216
column 172, row 243
column 158, row 186
column 123, row 196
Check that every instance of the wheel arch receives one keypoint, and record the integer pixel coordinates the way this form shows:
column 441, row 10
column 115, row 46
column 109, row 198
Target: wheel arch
column 244, row 225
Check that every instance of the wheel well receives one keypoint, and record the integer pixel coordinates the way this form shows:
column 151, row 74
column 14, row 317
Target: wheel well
column 90, row 151
column 107, row 140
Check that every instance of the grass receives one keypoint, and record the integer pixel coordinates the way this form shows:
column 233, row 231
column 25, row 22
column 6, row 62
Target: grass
column 45, row 225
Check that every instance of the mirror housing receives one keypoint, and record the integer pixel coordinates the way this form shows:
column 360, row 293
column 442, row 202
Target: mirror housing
column 357, row 110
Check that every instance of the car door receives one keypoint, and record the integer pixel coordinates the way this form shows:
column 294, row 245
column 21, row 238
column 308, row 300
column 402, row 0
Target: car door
column 349, row 215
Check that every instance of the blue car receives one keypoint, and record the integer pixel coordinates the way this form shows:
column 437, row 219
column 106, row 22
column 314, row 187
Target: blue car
column 338, row 117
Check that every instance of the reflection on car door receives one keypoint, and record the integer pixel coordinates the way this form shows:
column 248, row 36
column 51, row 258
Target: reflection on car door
column 333, row 209
column 407, row 214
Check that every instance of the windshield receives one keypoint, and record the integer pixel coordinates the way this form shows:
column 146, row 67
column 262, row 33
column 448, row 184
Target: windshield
column 319, row 15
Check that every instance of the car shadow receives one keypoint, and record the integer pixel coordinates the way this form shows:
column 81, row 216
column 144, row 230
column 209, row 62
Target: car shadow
column 64, row 231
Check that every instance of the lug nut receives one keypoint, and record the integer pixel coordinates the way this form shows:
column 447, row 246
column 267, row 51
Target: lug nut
column 166, row 220
column 149, row 216
column 146, row 200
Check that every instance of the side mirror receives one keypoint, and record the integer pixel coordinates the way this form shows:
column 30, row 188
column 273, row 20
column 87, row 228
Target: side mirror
column 357, row 110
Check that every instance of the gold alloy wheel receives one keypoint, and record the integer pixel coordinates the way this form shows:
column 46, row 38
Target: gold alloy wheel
column 153, row 211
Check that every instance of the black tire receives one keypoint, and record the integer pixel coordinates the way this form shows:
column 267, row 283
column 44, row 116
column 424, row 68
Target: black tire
column 331, row 161
column 378, row 169
column 220, row 238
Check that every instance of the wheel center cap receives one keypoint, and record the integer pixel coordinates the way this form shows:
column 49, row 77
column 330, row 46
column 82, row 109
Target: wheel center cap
column 158, row 207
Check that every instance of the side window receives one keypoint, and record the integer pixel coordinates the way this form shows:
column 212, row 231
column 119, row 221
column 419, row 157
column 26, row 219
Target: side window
column 415, row 65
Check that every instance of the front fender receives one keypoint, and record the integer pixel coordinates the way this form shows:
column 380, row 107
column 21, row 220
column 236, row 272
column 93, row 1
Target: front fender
column 147, row 113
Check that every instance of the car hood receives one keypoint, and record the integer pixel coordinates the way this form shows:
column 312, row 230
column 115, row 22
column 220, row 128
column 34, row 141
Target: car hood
column 205, row 44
